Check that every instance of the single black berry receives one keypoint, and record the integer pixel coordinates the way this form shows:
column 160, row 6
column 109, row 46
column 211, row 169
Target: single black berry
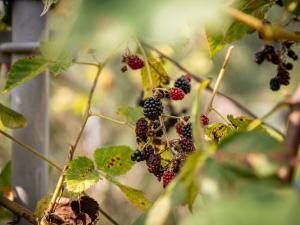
column 152, row 108
column 259, row 57
column 154, row 165
column 288, row 66
column 138, row 156
column 183, row 84
column 158, row 131
column 274, row 58
column 274, row 84
column 186, row 130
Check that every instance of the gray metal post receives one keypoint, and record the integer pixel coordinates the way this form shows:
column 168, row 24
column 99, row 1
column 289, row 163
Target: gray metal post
column 30, row 174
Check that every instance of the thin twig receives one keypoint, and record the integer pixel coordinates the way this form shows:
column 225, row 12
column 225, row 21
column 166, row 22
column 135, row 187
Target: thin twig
column 108, row 118
column 18, row 210
column 209, row 88
column 219, row 114
column 31, row 150
column 107, row 216
column 85, row 63
column 219, row 79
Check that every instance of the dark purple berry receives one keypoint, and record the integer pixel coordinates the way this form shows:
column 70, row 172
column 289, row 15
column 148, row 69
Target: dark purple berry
column 186, row 130
column 274, row 84
column 152, row 108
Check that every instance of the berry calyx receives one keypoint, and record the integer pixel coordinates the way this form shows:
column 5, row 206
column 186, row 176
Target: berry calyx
column 176, row 94
column 168, row 176
column 183, row 84
column 133, row 61
column 152, row 108
column 204, row 120
column 186, row 130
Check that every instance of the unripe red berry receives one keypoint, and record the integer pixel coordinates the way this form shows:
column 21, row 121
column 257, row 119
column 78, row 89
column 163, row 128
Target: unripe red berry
column 176, row 94
column 204, row 120
column 168, row 177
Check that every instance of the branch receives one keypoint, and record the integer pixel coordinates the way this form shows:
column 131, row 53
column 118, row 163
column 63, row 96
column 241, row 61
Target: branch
column 209, row 88
column 219, row 79
column 107, row 216
column 31, row 150
column 18, row 209
column 292, row 139
column 269, row 32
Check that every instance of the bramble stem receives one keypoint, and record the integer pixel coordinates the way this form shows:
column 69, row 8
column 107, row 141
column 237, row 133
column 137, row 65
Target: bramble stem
column 18, row 210
column 170, row 116
column 146, row 61
column 108, row 118
column 164, row 130
column 31, row 150
column 269, row 32
column 85, row 63
column 274, row 109
column 107, row 216
column 219, row 79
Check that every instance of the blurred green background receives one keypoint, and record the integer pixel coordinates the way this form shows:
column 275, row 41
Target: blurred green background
column 176, row 28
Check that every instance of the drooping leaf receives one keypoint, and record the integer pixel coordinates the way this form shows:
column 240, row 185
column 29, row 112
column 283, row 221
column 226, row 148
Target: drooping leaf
column 158, row 74
column 131, row 114
column 24, row 70
column 11, row 118
column 81, row 175
column 47, row 5
column 63, row 62
column 236, row 30
column 114, row 160
column 136, row 197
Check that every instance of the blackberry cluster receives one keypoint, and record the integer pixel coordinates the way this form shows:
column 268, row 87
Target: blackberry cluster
column 133, row 61
column 152, row 138
column 153, row 108
column 278, row 57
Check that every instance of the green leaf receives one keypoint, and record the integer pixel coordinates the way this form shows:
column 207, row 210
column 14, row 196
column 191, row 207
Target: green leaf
column 47, row 5
column 131, row 114
column 218, row 131
column 236, row 30
column 114, row 160
column 63, row 62
column 5, row 177
column 24, row 70
column 158, row 74
column 81, row 175
column 11, row 118
column 42, row 205
column 136, row 197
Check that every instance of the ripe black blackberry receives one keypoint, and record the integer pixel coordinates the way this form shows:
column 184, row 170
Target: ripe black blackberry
column 138, row 156
column 260, row 57
column 186, row 145
column 183, row 84
column 186, row 130
column 274, row 84
column 288, row 66
column 152, row 108
column 292, row 54
column 141, row 129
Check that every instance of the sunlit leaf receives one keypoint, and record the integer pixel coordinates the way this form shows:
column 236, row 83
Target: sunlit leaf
column 131, row 114
column 236, row 30
column 159, row 76
column 81, row 175
column 136, row 197
column 24, row 70
column 114, row 160
column 11, row 118
column 218, row 131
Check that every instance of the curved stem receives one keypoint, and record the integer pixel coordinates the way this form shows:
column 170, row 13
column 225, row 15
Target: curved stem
column 85, row 63
column 219, row 79
column 31, row 150
column 220, row 115
column 273, row 110
column 108, row 118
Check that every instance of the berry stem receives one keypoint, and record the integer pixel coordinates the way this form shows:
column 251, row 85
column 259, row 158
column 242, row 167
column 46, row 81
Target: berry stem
column 31, row 150
column 220, row 115
column 110, row 119
column 146, row 61
column 219, row 79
